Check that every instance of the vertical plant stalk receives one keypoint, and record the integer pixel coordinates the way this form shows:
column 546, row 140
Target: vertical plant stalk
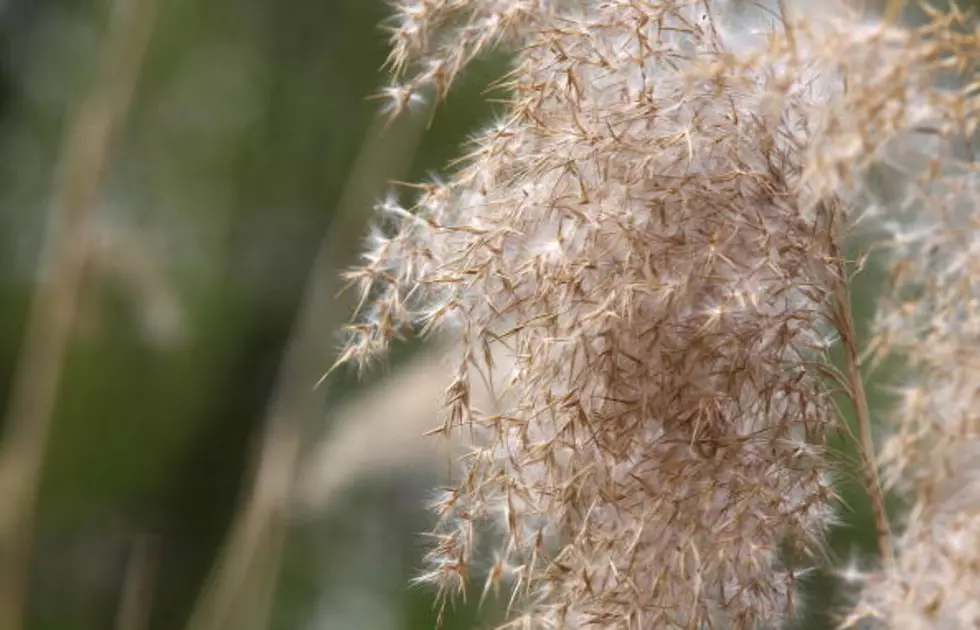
column 893, row 10
column 865, row 439
column 136, row 599
column 64, row 256
column 239, row 593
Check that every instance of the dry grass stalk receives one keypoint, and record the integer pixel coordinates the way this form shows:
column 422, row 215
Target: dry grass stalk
column 930, row 319
column 240, row 590
column 65, row 256
column 651, row 235
column 381, row 431
column 136, row 597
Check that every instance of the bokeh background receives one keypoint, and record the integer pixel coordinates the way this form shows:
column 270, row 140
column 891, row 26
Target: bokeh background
column 249, row 145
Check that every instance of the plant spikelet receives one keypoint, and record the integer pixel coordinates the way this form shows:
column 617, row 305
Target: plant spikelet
column 643, row 256
column 930, row 318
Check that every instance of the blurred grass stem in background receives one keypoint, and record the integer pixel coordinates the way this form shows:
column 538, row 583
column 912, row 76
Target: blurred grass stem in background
column 241, row 590
column 135, row 602
column 61, row 276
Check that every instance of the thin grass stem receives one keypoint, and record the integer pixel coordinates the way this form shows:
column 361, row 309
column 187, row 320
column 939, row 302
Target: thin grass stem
column 64, row 258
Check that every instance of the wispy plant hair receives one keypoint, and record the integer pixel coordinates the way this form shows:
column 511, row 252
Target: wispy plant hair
column 643, row 257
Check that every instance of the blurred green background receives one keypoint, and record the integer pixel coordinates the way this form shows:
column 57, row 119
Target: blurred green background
column 235, row 154
column 230, row 168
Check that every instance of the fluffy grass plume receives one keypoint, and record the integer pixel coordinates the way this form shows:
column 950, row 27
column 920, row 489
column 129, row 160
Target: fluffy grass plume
column 642, row 257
